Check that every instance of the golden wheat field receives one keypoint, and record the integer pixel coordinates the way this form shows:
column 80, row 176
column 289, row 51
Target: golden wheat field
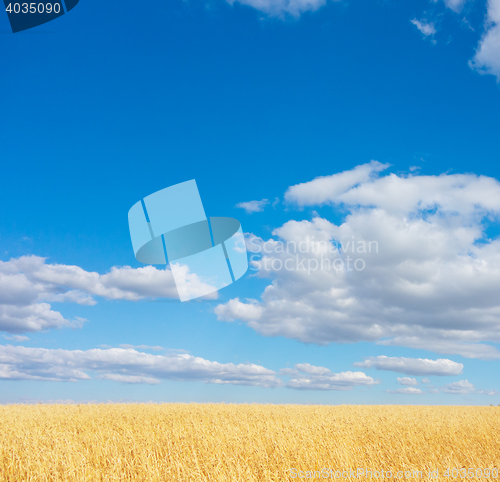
column 224, row 442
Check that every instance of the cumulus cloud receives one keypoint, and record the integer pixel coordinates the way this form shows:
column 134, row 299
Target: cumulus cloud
column 487, row 57
column 406, row 391
column 235, row 309
column 426, row 28
column 413, row 366
column 409, row 382
column 253, row 206
column 125, row 365
column 29, row 284
column 326, row 189
column 427, row 276
column 464, row 387
column 310, row 377
column 33, row 317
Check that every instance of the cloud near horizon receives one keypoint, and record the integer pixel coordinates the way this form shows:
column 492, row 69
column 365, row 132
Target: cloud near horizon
column 125, row 365
column 412, row 366
column 406, row 391
column 129, row 365
column 407, row 381
column 309, row 377
column 464, row 387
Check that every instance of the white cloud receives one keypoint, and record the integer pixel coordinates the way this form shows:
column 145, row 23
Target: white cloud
column 34, row 317
column 429, row 277
column 129, row 379
column 406, row 391
column 30, row 278
column 409, row 382
column 253, row 206
column 413, row 366
column 455, row 5
column 487, row 57
column 450, row 347
column 464, row 387
column 488, row 392
column 309, row 377
column 125, row 365
column 190, row 285
column 28, row 283
column 425, row 380
column 236, row 309
column 16, row 337
column 326, row 189
column 426, row 28
column 143, row 347
column 278, row 8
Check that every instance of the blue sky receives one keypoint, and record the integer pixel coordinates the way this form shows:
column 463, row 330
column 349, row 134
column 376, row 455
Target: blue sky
column 106, row 105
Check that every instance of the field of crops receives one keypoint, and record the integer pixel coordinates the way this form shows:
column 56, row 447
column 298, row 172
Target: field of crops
column 218, row 442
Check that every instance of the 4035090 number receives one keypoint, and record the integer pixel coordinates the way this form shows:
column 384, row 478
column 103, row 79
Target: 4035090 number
column 33, row 8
